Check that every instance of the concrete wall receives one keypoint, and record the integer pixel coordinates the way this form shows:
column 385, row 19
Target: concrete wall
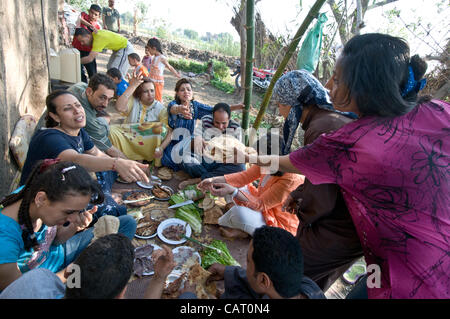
column 23, row 68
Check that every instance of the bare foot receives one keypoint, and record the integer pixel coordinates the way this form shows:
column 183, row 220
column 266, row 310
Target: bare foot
column 232, row 233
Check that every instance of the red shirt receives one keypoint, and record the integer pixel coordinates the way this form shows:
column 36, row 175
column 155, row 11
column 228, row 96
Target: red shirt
column 75, row 43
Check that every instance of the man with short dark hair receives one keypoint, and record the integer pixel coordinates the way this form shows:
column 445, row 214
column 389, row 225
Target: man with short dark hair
column 104, row 269
column 104, row 39
column 101, row 271
column 274, row 270
column 95, row 97
column 219, row 122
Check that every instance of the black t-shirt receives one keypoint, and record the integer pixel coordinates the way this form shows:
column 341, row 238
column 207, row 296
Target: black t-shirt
column 49, row 143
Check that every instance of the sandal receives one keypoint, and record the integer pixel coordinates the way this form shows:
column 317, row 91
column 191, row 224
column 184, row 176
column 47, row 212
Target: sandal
column 356, row 271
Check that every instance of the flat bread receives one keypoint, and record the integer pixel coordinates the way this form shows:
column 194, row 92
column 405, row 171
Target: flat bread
column 207, row 203
column 106, row 225
column 199, row 275
column 221, row 148
column 165, row 173
column 211, row 216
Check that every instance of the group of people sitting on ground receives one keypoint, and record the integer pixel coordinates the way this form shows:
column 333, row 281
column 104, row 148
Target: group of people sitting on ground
column 371, row 180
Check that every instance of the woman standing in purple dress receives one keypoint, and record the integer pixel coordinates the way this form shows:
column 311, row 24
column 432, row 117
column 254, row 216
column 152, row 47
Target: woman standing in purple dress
column 392, row 164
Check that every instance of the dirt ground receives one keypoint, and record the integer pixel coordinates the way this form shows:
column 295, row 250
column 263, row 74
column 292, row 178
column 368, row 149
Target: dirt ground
column 205, row 93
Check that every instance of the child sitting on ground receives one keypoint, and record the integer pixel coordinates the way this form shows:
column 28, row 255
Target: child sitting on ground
column 135, row 60
column 121, row 83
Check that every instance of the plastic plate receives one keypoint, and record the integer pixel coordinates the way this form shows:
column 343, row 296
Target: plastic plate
column 172, row 222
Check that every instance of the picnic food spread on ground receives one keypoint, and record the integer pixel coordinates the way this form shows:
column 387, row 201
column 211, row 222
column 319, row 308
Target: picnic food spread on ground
column 188, row 259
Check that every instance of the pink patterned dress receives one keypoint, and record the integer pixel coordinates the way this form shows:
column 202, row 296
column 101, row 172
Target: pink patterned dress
column 395, row 177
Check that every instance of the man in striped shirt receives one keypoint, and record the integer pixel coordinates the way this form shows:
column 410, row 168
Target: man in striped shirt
column 219, row 122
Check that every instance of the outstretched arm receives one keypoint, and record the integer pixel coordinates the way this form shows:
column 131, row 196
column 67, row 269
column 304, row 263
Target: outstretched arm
column 237, row 107
column 170, row 68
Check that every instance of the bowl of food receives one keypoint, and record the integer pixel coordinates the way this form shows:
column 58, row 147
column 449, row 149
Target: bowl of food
column 137, row 198
column 146, row 227
column 162, row 192
column 171, row 231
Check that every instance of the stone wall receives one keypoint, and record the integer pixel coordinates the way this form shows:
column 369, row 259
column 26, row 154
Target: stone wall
column 28, row 30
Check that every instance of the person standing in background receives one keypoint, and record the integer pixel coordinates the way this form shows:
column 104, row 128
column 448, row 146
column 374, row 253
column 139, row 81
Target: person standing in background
column 88, row 22
column 111, row 17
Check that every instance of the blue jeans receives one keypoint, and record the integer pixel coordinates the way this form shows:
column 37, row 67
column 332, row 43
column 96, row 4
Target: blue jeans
column 359, row 291
column 109, row 205
column 77, row 243
column 206, row 170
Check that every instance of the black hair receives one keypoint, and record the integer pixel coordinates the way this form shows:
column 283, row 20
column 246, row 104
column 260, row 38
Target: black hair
column 81, row 31
column 51, row 106
column 47, row 176
column 105, row 268
column 135, row 56
column 154, row 43
column 222, row 107
column 264, row 147
column 277, row 253
column 101, row 79
column 374, row 68
column 95, row 7
column 178, row 85
column 114, row 73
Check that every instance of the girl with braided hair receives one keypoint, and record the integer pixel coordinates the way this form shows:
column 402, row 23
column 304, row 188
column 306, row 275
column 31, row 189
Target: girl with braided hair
column 43, row 223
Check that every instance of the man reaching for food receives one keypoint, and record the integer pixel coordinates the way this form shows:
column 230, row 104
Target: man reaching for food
column 218, row 124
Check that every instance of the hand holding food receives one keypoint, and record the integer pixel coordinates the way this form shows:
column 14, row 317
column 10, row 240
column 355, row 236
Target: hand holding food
column 217, row 272
column 131, row 171
column 163, row 261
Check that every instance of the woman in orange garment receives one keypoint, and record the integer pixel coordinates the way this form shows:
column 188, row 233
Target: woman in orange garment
column 256, row 206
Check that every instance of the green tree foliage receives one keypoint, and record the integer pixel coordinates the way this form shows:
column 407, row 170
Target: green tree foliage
column 84, row 5
column 126, row 18
column 191, row 34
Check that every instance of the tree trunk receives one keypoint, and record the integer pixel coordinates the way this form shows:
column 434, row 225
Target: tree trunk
column 250, row 28
column 135, row 22
column 238, row 22
column 292, row 47
column 359, row 17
